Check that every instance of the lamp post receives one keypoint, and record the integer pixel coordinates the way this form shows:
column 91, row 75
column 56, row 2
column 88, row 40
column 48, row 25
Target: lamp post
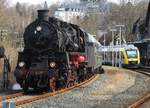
column 120, row 43
column 113, row 35
column 104, row 33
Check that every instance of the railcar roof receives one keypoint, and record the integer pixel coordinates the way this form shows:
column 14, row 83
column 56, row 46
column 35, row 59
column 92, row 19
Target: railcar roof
column 92, row 39
column 118, row 48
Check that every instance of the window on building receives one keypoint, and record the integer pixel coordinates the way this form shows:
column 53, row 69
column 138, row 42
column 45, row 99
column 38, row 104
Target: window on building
column 66, row 9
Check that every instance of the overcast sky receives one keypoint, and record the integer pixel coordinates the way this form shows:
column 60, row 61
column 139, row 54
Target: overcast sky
column 41, row 1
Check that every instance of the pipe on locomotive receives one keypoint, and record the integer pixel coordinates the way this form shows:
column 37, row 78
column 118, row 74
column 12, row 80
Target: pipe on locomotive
column 43, row 15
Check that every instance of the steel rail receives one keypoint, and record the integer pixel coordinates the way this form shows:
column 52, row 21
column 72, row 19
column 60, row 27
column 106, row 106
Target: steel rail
column 147, row 73
column 141, row 101
column 145, row 98
column 51, row 94
column 11, row 96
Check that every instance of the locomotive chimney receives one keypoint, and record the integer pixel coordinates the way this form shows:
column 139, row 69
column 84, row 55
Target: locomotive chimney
column 43, row 15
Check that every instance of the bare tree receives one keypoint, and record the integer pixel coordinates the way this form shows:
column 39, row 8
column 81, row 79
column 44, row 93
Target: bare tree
column 53, row 8
column 127, row 13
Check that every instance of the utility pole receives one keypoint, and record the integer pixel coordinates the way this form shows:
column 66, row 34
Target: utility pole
column 120, row 43
column 113, row 35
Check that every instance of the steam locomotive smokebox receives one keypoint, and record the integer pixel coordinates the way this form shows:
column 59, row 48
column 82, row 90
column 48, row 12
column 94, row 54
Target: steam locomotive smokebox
column 43, row 14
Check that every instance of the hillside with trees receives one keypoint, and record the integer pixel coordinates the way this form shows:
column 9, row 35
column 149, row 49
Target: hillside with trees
column 125, row 13
column 14, row 19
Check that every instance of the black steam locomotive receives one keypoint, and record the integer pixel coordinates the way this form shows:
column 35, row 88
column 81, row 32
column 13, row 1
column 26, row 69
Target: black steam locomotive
column 57, row 54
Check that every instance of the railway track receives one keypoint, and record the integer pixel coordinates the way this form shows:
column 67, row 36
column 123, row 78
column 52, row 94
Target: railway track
column 21, row 98
column 146, row 98
column 145, row 71
column 141, row 101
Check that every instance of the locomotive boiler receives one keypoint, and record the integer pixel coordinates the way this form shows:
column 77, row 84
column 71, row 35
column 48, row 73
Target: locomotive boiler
column 55, row 55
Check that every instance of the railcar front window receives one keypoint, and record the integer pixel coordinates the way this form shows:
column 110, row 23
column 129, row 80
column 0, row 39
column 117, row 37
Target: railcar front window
column 131, row 53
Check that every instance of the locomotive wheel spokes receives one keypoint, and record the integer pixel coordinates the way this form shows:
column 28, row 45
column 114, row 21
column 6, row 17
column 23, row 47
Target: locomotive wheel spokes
column 62, row 82
column 72, row 78
column 75, row 78
column 84, row 74
column 25, row 86
column 68, row 79
column 52, row 84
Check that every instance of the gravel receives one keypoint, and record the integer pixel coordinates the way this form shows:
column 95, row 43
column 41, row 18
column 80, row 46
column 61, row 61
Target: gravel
column 117, row 88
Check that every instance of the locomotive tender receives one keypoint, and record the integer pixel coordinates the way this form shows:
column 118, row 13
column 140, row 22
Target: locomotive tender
column 57, row 54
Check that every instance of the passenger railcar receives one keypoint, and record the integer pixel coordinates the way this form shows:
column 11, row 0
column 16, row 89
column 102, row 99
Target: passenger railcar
column 130, row 56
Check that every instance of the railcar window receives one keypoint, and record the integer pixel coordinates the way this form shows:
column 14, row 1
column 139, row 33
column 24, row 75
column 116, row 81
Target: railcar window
column 131, row 53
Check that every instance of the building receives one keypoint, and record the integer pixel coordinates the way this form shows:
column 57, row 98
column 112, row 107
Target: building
column 72, row 11
column 141, row 29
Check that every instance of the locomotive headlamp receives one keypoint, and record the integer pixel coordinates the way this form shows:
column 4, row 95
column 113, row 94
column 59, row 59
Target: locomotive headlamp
column 21, row 64
column 52, row 64
column 38, row 28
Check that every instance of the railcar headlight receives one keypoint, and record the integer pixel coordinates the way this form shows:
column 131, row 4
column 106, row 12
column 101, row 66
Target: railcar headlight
column 52, row 64
column 21, row 64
